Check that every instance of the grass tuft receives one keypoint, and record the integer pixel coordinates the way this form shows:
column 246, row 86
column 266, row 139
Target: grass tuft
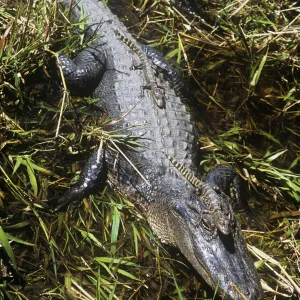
column 241, row 59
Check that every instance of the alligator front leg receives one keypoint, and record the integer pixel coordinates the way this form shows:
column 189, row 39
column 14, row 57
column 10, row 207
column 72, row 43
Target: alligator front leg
column 226, row 179
column 92, row 178
column 82, row 75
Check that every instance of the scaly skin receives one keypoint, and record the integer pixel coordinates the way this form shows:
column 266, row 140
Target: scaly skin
column 176, row 213
column 210, row 195
column 157, row 92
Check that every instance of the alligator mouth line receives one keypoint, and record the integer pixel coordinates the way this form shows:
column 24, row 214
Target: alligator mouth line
column 221, row 264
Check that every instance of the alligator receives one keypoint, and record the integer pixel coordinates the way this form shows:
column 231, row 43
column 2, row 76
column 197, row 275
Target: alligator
column 179, row 213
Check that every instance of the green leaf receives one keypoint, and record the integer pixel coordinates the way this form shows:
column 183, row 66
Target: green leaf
column 269, row 136
column 19, row 241
column 112, row 260
column 108, row 269
column 232, row 146
column 31, row 176
column 19, row 161
column 180, row 50
column 172, row 53
column 6, row 245
column 276, row 155
column 53, row 256
column 19, row 225
column 115, row 228
column 91, row 237
column 180, row 297
column 136, row 238
column 40, row 169
column 257, row 73
column 127, row 274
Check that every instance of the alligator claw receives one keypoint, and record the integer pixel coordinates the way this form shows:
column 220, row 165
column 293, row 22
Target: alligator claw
column 92, row 178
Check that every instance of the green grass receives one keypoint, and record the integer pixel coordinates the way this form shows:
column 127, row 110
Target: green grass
column 242, row 63
column 241, row 60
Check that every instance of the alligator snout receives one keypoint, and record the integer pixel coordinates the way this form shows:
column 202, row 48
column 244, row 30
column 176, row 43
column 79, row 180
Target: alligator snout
column 221, row 259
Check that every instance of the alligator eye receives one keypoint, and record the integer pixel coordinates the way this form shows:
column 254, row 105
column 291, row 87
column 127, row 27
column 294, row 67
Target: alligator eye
column 206, row 222
column 217, row 190
column 198, row 191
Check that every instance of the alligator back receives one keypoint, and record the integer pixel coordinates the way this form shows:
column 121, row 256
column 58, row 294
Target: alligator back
column 163, row 130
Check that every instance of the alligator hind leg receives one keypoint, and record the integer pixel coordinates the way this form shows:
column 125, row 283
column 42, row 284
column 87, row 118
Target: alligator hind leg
column 85, row 71
column 92, row 178
column 226, row 180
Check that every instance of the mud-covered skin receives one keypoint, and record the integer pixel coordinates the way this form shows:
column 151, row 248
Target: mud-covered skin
column 175, row 211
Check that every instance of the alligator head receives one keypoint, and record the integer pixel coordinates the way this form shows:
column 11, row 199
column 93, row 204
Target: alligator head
column 221, row 259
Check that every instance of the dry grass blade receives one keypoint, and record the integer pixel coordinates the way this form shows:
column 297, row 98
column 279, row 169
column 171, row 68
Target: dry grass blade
column 240, row 59
column 269, row 261
column 134, row 167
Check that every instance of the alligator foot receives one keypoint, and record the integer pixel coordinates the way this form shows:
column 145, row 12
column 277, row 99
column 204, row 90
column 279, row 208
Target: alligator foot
column 137, row 66
column 225, row 180
column 92, row 178
column 86, row 70
column 191, row 7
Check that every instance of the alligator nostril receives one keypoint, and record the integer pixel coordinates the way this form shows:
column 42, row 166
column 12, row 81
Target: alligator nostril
column 246, row 292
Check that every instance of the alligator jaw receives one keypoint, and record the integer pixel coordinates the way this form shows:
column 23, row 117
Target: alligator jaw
column 222, row 260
